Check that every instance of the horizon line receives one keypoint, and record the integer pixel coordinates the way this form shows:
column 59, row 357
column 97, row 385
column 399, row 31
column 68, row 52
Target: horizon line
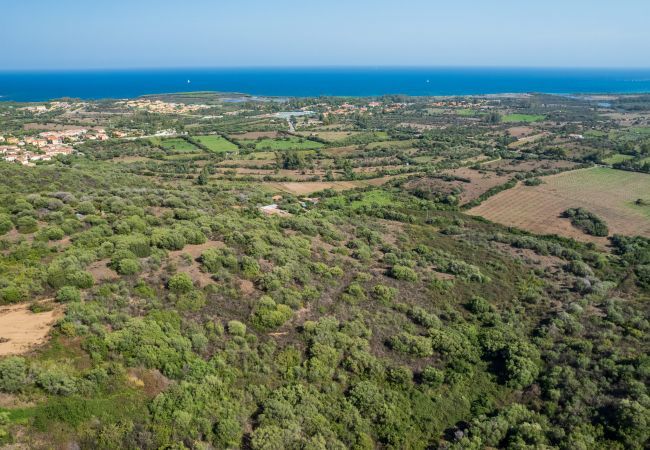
column 324, row 66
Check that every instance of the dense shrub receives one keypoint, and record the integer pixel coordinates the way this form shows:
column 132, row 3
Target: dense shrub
column 13, row 374
column 587, row 221
column 419, row 346
column 400, row 272
column 128, row 266
column 269, row 315
column 180, row 283
column 6, row 224
column 68, row 294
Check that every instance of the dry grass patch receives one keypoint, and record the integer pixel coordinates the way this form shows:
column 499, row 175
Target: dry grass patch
column 608, row 193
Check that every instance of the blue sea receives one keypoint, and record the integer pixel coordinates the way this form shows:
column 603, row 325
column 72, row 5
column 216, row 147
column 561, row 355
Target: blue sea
column 307, row 82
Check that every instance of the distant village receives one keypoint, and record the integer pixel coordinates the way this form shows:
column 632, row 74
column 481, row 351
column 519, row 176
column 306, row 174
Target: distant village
column 29, row 149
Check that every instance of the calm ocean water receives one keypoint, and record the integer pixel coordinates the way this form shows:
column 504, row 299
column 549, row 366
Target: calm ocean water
column 303, row 82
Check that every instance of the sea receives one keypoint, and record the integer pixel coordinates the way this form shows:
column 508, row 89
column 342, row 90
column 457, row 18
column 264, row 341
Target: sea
column 312, row 81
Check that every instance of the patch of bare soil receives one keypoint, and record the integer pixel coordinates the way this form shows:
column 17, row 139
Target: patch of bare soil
column 13, row 236
column 443, row 276
column 9, row 401
column 196, row 250
column 150, row 380
column 21, row 330
column 158, row 211
column 519, row 132
column 529, row 257
column 101, row 272
column 246, row 287
column 529, row 139
column 193, row 268
column 392, row 231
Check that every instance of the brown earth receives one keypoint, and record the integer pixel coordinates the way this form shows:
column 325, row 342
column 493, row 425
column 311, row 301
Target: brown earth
column 520, row 132
column 101, row 272
column 21, row 330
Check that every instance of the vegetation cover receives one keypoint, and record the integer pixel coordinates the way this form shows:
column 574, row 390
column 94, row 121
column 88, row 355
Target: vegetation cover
column 219, row 278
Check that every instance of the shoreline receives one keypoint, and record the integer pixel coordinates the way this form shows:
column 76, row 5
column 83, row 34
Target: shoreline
column 263, row 97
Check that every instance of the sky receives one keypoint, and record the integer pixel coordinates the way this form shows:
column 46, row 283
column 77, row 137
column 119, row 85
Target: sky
column 102, row 34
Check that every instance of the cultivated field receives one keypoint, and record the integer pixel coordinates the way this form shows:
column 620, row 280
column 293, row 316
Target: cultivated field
column 608, row 193
column 217, row 143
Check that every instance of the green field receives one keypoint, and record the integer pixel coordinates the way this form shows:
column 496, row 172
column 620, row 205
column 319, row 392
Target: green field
column 291, row 143
column 616, row 158
column 467, row 112
column 176, row 145
column 216, row 143
column 527, row 118
column 595, row 133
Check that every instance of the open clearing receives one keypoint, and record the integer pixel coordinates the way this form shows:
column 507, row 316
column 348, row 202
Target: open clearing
column 608, row 193
column 21, row 330
column 309, row 187
column 525, row 118
column 217, row 143
column 177, row 145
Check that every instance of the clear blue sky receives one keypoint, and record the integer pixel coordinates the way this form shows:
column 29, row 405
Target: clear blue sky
column 64, row 34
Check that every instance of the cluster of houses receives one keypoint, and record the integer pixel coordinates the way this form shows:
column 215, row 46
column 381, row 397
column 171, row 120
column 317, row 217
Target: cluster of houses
column 458, row 104
column 43, row 147
column 348, row 108
column 40, row 109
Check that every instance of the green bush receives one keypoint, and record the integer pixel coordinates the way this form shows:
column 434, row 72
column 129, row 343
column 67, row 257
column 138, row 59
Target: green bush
column 214, row 259
column 27, row 224
column 180, row 283
column 6, row 224
column 53, row 233
column 432, row 377
column 168, row 239
column 236, row 328
column 56, row 382
column 68, row 294
column 400, row 272
column 384, row 294
column 12, row 294
column 269, row 315
column 13, row 374
column 419, row 346
column 128, row 266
